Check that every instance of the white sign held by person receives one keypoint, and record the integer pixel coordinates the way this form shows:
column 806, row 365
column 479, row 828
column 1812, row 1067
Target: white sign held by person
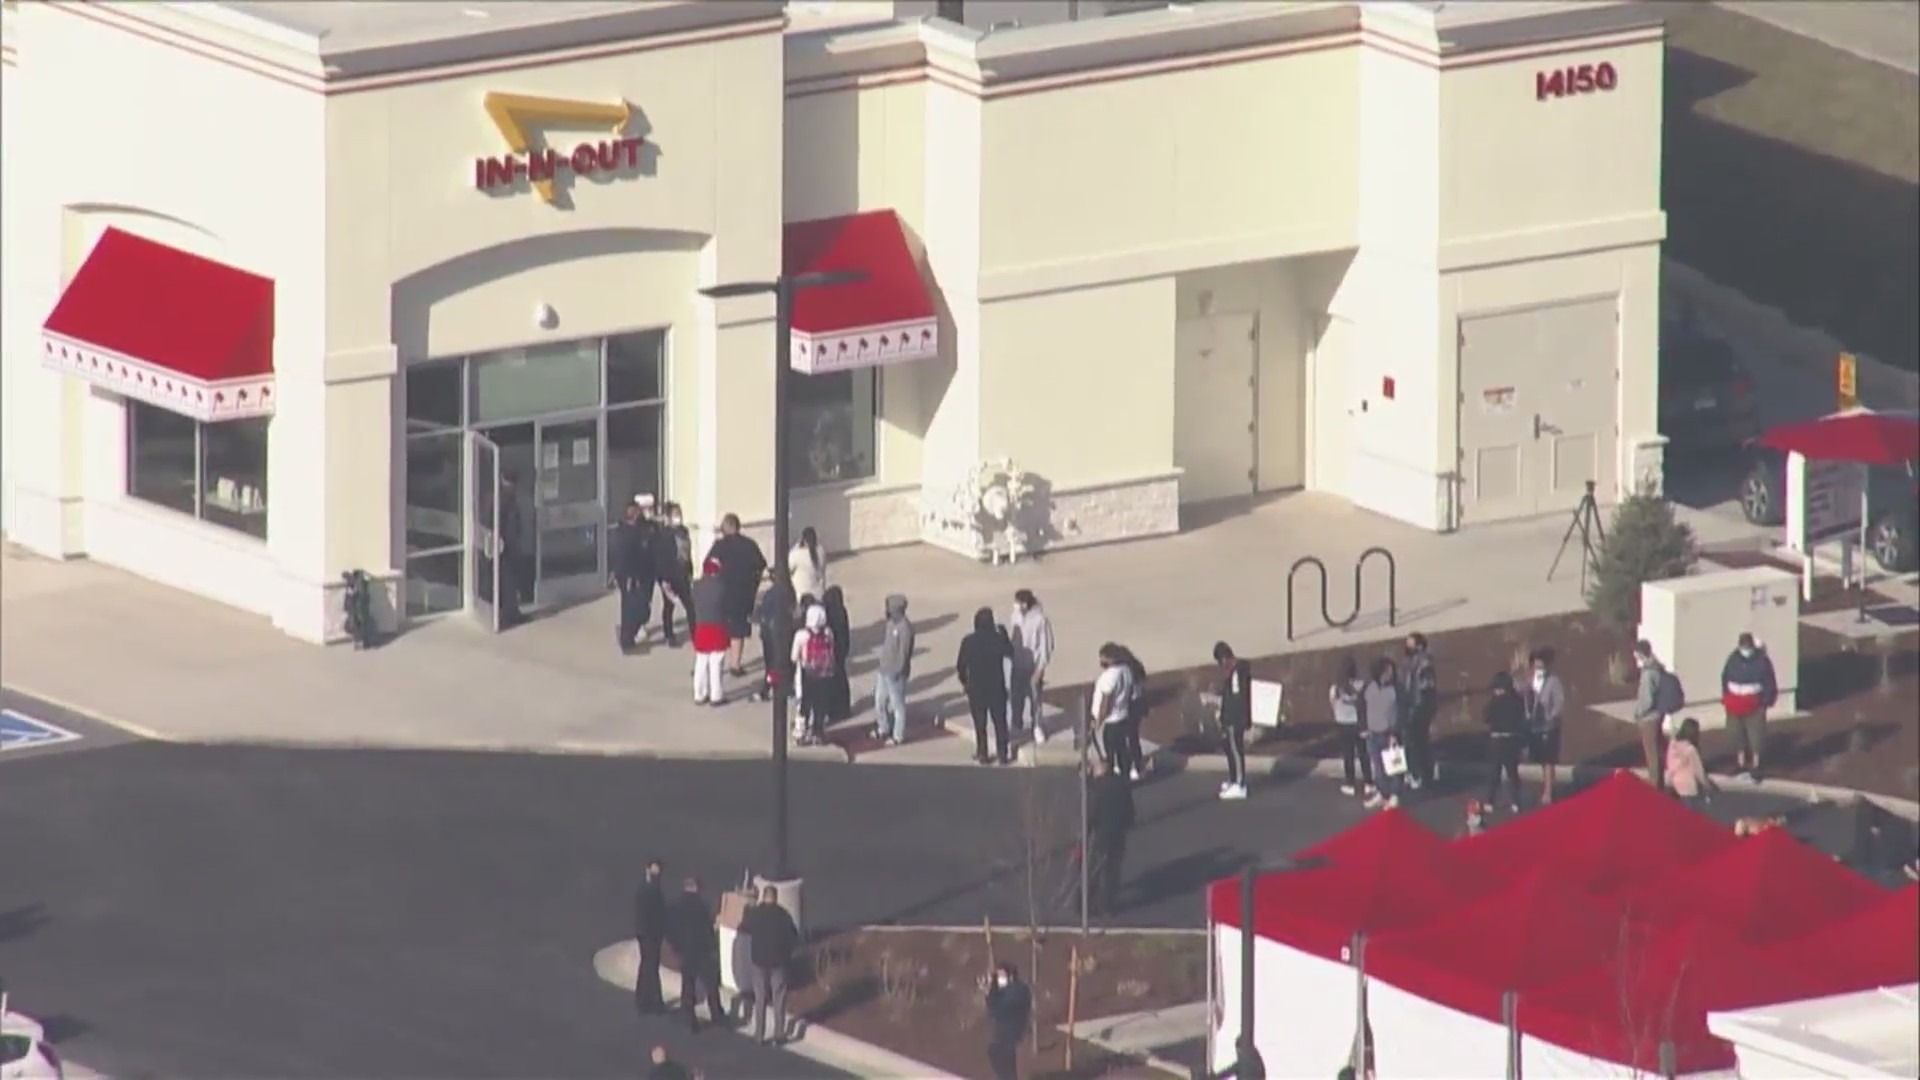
column 1265, row 703
column 1823, row 500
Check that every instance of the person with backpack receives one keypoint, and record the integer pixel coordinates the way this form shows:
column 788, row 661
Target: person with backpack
column 1236, row 716
column 812, row 656
column 1748, row 688
column 1419, row 704
column 1343, row 698
column 1659, row 696
column 982, row 669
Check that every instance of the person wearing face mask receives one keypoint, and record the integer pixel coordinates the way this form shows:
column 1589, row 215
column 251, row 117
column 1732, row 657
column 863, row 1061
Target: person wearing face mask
column 1419, row 704
column 673, row 569
column 1546, row 699
column 1748, row 688
column 1032, row 635
column 1009, row 1010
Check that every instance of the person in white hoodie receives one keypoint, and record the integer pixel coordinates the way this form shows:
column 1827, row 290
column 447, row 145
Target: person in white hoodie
column 1031, row 633
column 813, row 661
column 809, row 565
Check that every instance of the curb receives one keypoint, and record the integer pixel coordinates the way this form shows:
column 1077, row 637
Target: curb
column 1321, row 768
column 615, row 964
column 136, row 730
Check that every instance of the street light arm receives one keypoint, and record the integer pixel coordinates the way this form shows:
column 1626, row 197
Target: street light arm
column 739, row 288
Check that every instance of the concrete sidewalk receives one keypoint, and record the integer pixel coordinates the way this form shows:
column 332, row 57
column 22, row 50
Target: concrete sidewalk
column 169, row 665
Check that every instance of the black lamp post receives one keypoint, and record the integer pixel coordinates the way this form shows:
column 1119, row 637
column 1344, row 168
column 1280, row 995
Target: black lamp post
column 782, row 289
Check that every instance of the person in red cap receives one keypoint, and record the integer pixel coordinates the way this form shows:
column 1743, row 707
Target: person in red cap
column 710, row 637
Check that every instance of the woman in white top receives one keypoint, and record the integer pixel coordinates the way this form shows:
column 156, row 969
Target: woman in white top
column 1116, row 706
column 1344, row 698
column 809, row 565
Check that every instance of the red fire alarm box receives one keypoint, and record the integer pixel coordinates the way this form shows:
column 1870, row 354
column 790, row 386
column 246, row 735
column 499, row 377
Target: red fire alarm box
column 1386, row 387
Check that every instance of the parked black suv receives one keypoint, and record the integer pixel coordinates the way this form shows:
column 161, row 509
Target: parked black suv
column 1706, row 394
column 1893, row 501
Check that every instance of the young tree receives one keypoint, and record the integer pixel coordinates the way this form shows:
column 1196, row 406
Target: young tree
column 1645, row 542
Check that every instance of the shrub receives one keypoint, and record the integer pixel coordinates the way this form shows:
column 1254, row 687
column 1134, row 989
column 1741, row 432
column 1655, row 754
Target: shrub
column 1645, row 542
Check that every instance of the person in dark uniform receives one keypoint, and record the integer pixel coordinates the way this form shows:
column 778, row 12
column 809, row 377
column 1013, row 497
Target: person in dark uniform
column 982, row 668
column 631, row 565
column 650, row 931
column 774, row 654
column 515, row 554
column 1009, row 1009
column 673, row 569
column 1109, row 820
column 696, row 941
column 840, row 623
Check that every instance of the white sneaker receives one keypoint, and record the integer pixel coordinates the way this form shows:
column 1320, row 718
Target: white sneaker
column 1039, row 735
column 1233, row 791
column 1135, row 774
column 1346, row 789
column 1413, row 782
column 1374, row 801
column 1393, row 802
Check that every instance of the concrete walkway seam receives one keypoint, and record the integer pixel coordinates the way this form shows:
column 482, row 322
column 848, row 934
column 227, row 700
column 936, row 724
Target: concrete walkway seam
column 616, row 964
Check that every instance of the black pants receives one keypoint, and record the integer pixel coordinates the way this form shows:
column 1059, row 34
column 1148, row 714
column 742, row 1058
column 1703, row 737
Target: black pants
column 646, row 983
column 994, row 711
column 1004, row 1057
column 701, row 978
column 670, row 590
column 1353, row 748
column 1237, row 756
column 1106, row 862
column 1121, row 739
column 636, row 597
column 816, row 698
column 1418, row 738
column 1504, row 757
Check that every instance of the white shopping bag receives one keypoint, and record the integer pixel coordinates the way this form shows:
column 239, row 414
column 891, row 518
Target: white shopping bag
column 1393, row 760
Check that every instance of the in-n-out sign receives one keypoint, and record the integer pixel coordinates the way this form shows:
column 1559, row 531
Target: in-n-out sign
column 515, row 114
column 1571, row 81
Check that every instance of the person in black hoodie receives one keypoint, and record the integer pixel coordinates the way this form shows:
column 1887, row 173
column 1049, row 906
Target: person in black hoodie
column 1009, row 1009
column 631, row 562
column 673, row 569
column 1110, row 818
column 839, row 690
column 1506, row 717
column 982, row 669
column 1236, row 716
column 650, row 931
column 696, row 941
column 773, row 652
column 772, row 940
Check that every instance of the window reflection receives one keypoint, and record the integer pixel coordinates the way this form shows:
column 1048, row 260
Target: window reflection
column 831, row 437
column 215, row 472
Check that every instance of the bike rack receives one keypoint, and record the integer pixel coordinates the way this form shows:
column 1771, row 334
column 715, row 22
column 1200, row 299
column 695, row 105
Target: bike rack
column 1359, row 595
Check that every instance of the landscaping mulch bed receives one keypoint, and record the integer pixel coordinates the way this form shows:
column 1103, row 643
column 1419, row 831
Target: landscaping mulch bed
column 1861, row 731
column 917, row 992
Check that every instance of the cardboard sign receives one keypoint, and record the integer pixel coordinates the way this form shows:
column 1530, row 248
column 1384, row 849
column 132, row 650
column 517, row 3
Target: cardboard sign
column 1266, row 703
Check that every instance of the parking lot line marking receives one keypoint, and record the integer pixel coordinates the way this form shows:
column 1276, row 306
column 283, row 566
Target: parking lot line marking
column 138, row 731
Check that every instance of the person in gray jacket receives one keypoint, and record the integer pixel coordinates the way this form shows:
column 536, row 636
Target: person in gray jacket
column 1380, row 712
column 1648, row 714
column 890, row 678
column 1032, row 635
column 1546, row 698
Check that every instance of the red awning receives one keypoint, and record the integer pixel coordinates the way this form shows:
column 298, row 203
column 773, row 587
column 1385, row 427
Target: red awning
column 886, row 319
column 1865, row 438
column 156, row 324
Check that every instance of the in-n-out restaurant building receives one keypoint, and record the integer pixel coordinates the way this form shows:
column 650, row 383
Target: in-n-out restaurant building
column 289, row 284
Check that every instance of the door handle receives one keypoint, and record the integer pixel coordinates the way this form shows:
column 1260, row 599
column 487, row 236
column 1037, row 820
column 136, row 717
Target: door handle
column 1536, row 425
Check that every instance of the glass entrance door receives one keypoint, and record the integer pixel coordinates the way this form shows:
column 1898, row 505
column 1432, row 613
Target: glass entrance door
column 572, row 514
column 484, row 551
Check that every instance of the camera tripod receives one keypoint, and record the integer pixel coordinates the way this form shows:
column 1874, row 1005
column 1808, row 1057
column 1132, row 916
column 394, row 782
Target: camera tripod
column 1586, row 524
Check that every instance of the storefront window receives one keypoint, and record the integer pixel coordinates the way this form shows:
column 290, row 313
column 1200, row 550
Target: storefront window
column 831, row 437
column 633, row 456
column 215, row 472
column 634, row 363
column 519, row 383
column 436, row 398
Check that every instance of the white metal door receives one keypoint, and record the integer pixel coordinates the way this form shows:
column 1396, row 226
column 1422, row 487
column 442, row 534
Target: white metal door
column 1215, row 441
column 1578, row 398
column 1333, row 406
column 484, row 576
column 1497, row 410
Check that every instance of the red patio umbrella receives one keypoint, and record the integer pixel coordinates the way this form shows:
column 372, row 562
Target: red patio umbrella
column 1866, row 438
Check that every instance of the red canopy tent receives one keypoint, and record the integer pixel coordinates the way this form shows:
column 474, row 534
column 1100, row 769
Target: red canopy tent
column 1534, row 932
column 1876, row 946
column 1661, row 993
column 1615, row 835
column 1866, row 438
column 1386, row 872
column 1764, row 888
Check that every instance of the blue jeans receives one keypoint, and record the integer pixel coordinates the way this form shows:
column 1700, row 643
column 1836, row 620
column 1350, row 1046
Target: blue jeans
column 1377, row 743
column 890, row 705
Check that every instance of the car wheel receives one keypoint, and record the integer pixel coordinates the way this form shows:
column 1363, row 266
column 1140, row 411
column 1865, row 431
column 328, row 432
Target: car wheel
column 1892, row 546
column 1760, row 496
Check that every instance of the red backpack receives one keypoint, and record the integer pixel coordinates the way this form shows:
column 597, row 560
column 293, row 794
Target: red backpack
column 816, row 656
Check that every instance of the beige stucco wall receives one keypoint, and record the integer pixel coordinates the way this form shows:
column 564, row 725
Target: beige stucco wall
column 66, row 443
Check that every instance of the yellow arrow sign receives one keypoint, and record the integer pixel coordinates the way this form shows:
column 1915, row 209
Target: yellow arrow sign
column 515, row 114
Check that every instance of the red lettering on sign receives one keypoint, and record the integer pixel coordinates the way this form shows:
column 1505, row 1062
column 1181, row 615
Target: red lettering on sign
column 1580, row 79
column 582, row 159
column 542, row 165
column 587, row 159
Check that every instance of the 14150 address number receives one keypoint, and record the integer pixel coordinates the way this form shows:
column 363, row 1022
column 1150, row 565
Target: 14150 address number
column 1582, row 79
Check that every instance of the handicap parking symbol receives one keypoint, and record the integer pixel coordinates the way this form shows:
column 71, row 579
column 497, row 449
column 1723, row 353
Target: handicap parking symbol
column 18, row 731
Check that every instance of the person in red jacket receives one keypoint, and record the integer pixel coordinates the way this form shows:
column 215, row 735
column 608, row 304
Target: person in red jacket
column 1748, row 689
column 710, row 636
